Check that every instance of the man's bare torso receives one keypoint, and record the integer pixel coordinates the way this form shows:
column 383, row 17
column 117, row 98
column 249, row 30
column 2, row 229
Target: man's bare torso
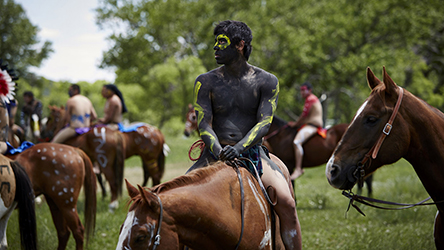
column 80, row 109
column 113, row 109
column 235, row 103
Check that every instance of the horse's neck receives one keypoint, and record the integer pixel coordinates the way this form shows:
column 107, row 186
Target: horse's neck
column 426, row 141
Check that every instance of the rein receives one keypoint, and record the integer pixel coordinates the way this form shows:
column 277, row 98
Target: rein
column 359, row 173
column 157, row 237
column 237, row 163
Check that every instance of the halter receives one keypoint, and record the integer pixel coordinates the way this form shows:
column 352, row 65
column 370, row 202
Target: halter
column 372, row 155
column 359, row 173
column 157, row 238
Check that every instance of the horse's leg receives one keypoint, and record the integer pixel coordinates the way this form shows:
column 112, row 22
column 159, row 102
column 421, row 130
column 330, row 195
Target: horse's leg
column 439, row 231
column 369, row 182
column 146, row 172
column 73, row 222
column 102, row 185
column 59, row 222
column 4, row 224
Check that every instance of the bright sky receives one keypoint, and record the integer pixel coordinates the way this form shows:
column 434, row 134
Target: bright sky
column 77, row 41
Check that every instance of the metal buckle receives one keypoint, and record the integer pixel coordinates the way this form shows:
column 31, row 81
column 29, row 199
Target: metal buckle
column 157, row 240
column 387, row 128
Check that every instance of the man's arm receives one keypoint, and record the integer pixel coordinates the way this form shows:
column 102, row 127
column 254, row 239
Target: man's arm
column 204, row 114
column 268, row 103
column 110, row 112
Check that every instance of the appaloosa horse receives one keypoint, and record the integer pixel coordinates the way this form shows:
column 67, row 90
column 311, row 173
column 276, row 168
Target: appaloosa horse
column 203, row 209
column 59, row 172
column 147, row 142
column 16, row 192
column 102, row 145
column 279, row 140
column 392, row 124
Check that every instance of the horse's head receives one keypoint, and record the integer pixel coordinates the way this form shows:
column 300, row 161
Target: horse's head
column 361, row 151
column 191, row 123
column 54, row 122
column 141, row 227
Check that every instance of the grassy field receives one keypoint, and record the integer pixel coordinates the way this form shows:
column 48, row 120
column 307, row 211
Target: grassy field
column 321, row 210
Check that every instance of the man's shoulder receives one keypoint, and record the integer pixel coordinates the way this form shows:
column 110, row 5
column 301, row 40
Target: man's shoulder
column 209, row 76
column 263, row 73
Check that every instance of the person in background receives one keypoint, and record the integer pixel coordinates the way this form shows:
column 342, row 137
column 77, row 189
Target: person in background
column 79, row 112
column 31, row 114
column 308, row 124
column 114, row 106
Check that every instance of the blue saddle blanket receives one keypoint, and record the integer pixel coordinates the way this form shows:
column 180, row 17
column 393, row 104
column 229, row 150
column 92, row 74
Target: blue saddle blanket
column 130, row 128
column 11, row 150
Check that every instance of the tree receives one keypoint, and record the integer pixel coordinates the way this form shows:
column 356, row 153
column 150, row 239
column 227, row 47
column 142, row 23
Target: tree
column 18, row 39
column 329, row 43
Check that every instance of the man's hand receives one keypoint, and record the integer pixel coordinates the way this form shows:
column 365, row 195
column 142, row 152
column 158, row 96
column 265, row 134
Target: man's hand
column 292, row 124
column 228, row 153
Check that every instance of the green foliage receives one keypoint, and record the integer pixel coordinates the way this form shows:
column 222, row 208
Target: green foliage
column 329, row 43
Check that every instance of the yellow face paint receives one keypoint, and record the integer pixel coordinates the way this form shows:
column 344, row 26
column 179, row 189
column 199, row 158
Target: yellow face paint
column 222, row 41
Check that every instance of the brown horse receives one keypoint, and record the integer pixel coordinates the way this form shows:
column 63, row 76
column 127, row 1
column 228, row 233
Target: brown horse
column 16, row 192
column 102, row 145
column 392, row 124
column 201, row 210
column 58, row 172
column 279, row 140
column 147, row 142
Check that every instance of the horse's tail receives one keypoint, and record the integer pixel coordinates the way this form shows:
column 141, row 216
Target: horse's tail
column 24, row 196
column 119, row 161
column 90, row 189
column 161, row 159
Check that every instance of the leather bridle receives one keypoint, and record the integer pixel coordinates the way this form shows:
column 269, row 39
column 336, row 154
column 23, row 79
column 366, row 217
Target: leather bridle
column 157, row 237
column 359, row 173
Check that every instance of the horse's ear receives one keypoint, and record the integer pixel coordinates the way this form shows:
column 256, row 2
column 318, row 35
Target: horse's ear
column 147, row 196
column 132, row 191
column 390, row 85
column 372, row 80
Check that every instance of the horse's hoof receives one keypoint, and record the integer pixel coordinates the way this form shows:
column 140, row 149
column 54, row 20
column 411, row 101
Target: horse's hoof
column 113, row 206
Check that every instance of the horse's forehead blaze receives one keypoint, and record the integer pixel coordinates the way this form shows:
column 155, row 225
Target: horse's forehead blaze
column 125, row 233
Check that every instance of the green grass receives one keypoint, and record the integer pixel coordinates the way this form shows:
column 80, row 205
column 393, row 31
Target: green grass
column 321, row 210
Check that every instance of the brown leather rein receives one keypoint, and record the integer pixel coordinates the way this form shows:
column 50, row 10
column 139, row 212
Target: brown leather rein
column 359, row 173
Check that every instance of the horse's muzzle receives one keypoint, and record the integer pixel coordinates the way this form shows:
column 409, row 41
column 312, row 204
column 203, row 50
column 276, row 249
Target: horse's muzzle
column 341, row 178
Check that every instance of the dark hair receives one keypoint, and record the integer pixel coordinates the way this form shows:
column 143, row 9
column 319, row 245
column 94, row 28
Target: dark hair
column 308, row 85
column 236, row 31
column 75, row 87
column 28, row 94
column 116, row 91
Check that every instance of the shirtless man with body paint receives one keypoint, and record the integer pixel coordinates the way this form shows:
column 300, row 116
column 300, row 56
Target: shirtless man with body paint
column 79, row 112
column 235, row 104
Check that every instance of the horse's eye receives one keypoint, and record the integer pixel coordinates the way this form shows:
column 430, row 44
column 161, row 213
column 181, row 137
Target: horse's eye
column 371, row 120
column 140, row 238
column 193, row 118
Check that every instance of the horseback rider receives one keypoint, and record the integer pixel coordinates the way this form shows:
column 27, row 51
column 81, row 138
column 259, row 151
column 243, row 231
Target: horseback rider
column 235, row 104
column 79, row 112
column 31, row 110
column 114, row 106
column 308, row 124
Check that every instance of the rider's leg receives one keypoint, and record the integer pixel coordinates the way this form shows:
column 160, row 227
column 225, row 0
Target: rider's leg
column 63, row 135
column 285, row 206
column 302, row 136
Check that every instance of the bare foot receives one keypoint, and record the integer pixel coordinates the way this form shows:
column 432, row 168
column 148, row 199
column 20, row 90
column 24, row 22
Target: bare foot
column 297, row 172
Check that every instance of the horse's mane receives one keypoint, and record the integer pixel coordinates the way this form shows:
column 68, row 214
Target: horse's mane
column 279, row 121
column 194, row 177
